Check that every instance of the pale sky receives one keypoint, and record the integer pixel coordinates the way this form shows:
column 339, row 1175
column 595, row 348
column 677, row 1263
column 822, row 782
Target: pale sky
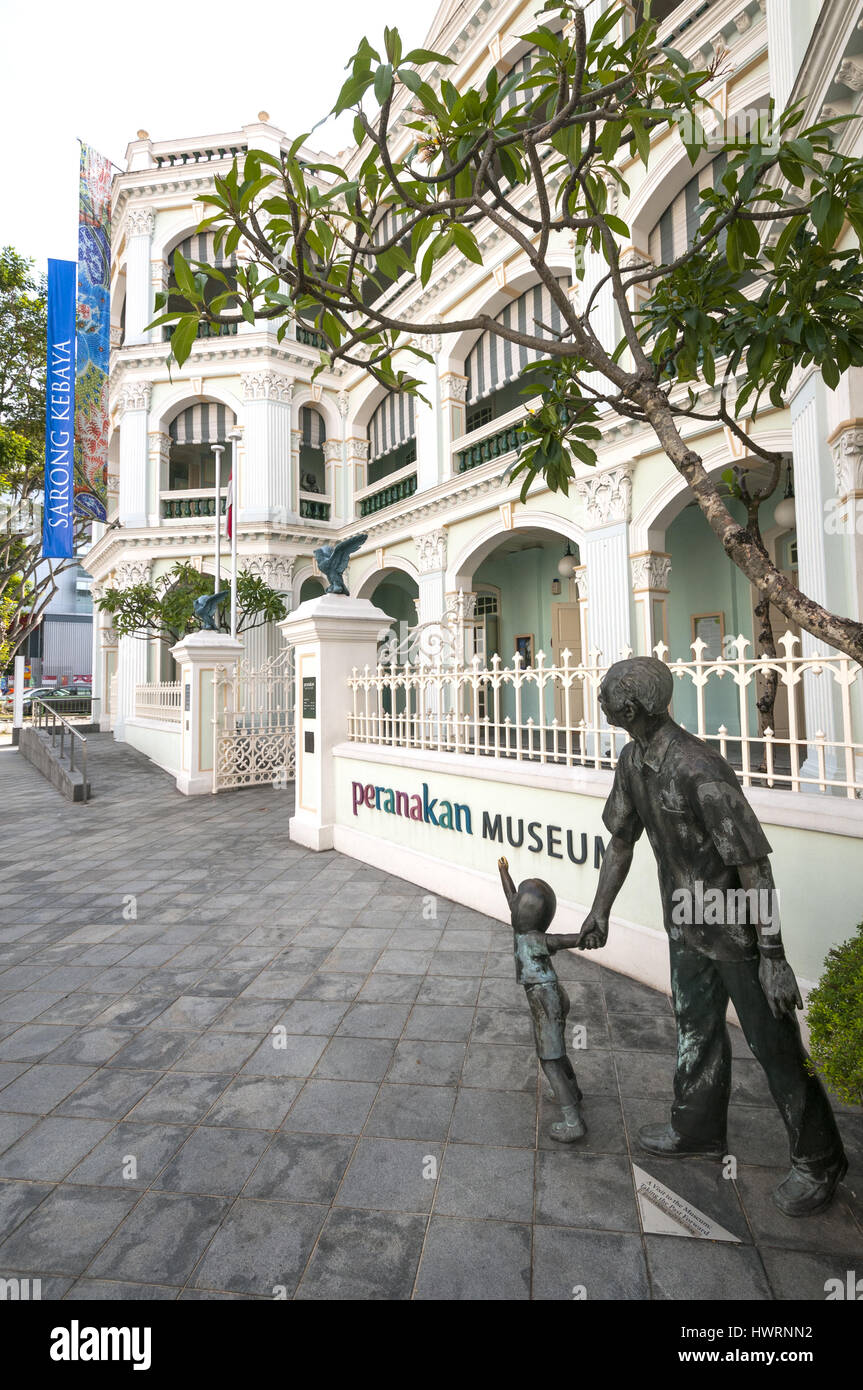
column 101, row 71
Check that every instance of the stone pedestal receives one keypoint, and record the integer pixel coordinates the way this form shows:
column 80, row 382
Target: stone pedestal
column 331, row 635
column 197, row 656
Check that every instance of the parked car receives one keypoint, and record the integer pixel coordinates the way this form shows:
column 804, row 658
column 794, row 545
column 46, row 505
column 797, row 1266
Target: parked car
column 49, row 693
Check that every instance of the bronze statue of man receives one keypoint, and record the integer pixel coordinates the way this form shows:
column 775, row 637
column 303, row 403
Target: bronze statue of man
column 706, row 837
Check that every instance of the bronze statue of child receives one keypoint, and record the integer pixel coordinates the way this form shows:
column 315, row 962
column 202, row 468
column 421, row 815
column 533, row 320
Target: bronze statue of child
column 532, row 907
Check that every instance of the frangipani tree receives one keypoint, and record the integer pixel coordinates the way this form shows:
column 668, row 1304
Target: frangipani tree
column 164, row 608
column 761, row 290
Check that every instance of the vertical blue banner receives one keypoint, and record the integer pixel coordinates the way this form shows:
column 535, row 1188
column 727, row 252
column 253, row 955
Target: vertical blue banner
column 57, row 512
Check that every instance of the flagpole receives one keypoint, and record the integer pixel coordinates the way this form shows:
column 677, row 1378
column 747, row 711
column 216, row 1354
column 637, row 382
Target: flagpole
column 218, row 450
column 234, row 437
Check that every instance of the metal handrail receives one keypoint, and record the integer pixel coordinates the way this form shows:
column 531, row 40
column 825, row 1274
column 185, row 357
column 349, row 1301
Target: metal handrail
column 46, row 709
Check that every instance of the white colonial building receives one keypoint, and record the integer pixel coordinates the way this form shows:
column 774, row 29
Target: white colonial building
column 430, row 486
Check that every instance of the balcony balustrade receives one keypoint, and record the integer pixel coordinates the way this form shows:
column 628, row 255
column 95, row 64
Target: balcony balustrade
column 178, row 506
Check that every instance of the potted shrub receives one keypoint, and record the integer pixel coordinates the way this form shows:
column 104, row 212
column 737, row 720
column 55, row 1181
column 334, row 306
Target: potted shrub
column 835, row 1017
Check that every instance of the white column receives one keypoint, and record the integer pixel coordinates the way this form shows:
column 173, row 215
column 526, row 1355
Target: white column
column 331, row 635
column 357, row 464
column 790, row 24
column 453, row 408
column 335, row 471
column 159, row 473
column 197, row 656
column 432, row 556
column 650, row 578
column 140, row 223
column 607, row 497
column 265, row 480
column 133, row 403
column 813, row 486
column 131, row 672
column 428, row 417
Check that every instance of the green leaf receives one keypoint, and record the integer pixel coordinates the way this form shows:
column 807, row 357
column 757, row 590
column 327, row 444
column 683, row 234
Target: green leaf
column 383, row 83
column 183, row 337
column 466, row 243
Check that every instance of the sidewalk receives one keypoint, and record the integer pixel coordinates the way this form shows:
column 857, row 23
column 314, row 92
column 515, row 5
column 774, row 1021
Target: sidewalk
column 233, row 1068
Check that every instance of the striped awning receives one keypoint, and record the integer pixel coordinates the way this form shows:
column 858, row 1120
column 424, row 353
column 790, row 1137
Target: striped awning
column 314, row 431
column 392, row 425
column 389, row 224
column 202, row 247
column 494, row 361
column 522, row 66
column 678, row 225
column 209, row 423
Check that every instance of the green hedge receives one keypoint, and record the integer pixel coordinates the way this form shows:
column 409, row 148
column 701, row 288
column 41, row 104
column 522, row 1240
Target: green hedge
column 835, row 1017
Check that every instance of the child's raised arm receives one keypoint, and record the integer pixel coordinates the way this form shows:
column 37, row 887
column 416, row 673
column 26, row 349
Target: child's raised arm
column 508, row 885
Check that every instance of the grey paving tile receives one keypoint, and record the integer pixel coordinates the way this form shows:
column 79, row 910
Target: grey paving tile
column 355, row 1059
column 27, row 1004
column 32, row 1041
column 465, row 963
column 644, row 1032
column 391, row 1175
column 152, row 1050
column 180, row 1099
column 626, row 996
column 332, row 1107
column 331, row 985
column 807, row 1275
column 17, row 1200
column 365, row 1020
column 111, row 1291
column 42, row 1087
column 588, row 1190
column 191, row 1011
column 217, row 1052
column 312, row 1016
column 12, row 1127
column 255, row 1102
column 51, row 1148
column 427, row 1063
column 448, row 990
column 390, row 989
column 261, row 1248
column 492, row 1067
column 704, row 1270
column 411, row 1112
column 474, row 1260
column 136, row 1010
column 505, row 1026
column 93, row 1045
column 365, row 1255
column 130, row 1156
column 485, row 1181
column 66, row 1230
column 286, row 1055
column 603, row 1116
column 645, row 1073
column 108, row 1094
column 833, row 1231
column 215, row 1161
column 162, row 1240
column 257, row 1016
column 591, row 1265
column 301, row 1167
column 494, row 1117
column 440, row 1022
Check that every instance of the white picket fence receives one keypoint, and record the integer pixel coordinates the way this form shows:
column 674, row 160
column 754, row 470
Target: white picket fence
column 159, row 700
column 426, row 696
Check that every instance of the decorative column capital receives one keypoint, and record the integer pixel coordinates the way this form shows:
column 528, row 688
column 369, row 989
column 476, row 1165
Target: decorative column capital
column 134, row 395
column 579, row 578
column 358, row 448
column 650, row 570
column 160, row 274
column 140, row 222
column 332, row 451
column 607, row 496
column 160, row 445
column 453, row 386
column 344, row 402
column 267, row 386
column 848, row 462
column 275, row 570
column 131, row 572
column 432, row 550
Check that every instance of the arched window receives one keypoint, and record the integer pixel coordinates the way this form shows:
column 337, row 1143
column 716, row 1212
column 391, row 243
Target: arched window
column 678, row 226
column 193, row 433
column 201, row 246
column 392, row 436
column 495, row 364
column 313, row 473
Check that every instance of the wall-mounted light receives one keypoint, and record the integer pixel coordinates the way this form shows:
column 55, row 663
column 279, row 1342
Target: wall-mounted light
column 567, row 565
column 555, row 586
column 785, row 513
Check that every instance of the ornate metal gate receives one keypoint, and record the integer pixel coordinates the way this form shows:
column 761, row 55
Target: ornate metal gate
column 255, row 741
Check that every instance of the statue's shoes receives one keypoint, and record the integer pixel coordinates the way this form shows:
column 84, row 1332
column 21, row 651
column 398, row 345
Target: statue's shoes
column 570, row 1128
column 802, row 1194
column 664, row 1141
